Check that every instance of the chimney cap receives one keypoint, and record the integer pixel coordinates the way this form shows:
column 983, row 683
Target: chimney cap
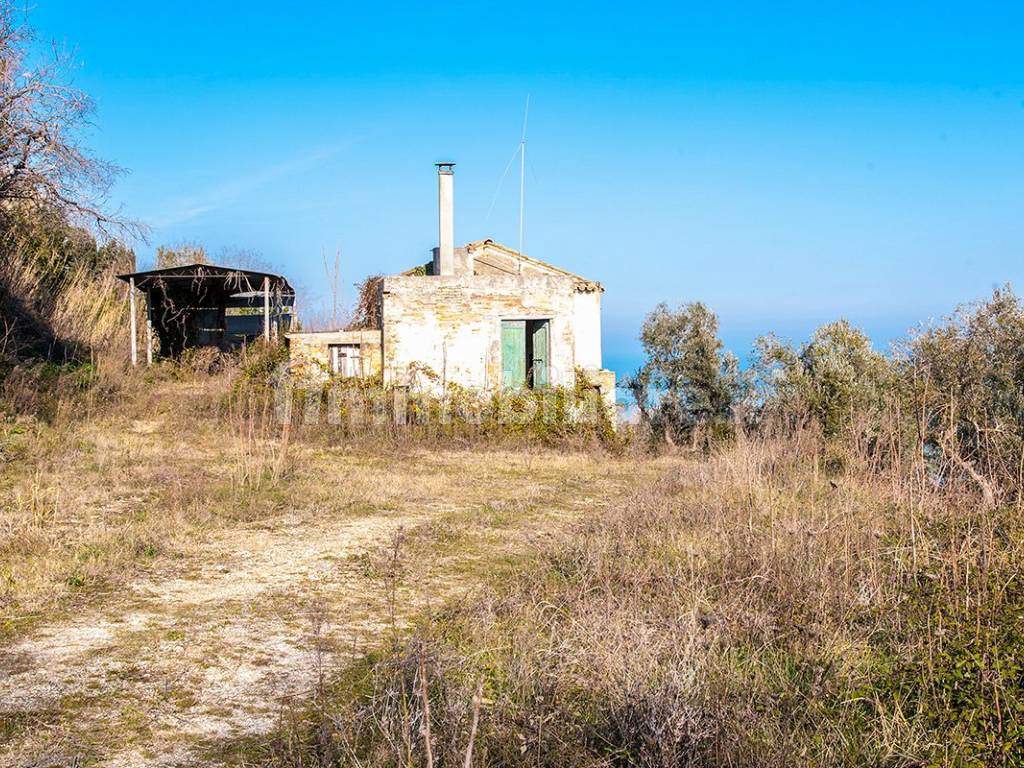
column 445, row 167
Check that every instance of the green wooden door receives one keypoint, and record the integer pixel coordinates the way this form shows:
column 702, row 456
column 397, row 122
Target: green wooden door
column 540, row 344
column 513, row 353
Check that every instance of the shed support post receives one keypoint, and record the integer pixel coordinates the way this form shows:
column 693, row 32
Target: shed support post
column 134, row 329
column 149, row 327
column 266, row 308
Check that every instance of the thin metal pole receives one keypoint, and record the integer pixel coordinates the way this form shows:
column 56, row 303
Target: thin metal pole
column 522, row 190
column 135, row 341
column 266, row 308
column 149, row 327
column 522, row 176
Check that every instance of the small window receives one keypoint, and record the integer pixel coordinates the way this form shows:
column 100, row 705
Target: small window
column 346, row 360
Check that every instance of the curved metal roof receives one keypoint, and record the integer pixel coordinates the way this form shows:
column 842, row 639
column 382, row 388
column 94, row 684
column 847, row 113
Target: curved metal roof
column 243, row 279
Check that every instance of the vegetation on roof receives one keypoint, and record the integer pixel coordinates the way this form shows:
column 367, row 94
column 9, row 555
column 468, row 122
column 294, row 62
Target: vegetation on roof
column 366, row 313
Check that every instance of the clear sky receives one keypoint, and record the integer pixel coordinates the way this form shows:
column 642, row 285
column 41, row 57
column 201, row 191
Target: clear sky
column 786, row 163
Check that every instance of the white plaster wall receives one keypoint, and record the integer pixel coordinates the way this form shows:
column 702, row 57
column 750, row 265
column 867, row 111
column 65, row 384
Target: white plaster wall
column 453, row 325
column 587, row 321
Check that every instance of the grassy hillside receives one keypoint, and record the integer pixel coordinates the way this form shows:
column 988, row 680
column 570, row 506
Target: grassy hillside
column 750, row 608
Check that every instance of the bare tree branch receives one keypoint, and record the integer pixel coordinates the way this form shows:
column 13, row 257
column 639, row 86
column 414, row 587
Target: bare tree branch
column 43, row 163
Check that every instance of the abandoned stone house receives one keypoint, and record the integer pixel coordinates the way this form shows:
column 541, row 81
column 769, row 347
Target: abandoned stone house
column 482, row 316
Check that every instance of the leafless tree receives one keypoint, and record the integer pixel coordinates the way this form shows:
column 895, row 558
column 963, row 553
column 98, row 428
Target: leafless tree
column 245, row 258
column 43, row 163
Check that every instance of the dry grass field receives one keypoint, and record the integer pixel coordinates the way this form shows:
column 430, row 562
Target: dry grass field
column 186, row 583
column 173, row 579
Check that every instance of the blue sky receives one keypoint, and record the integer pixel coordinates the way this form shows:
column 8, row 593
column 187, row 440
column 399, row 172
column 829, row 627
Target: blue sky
column 785, row 163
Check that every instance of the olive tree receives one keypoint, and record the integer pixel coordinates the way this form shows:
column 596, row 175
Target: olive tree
column 965, row 378
column 689, row 383
column 832, row 379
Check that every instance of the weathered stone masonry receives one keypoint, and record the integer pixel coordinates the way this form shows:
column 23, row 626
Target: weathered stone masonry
column 453, row 325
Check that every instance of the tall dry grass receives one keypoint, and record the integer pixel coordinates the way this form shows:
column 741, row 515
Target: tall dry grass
column 81, row 307
column 760, row 607
column 64, row 336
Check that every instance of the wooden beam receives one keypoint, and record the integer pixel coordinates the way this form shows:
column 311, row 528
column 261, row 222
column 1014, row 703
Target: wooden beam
column 266, row 308
column 135, row 340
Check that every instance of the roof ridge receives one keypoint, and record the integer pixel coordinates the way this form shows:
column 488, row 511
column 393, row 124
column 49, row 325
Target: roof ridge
column 531, row 259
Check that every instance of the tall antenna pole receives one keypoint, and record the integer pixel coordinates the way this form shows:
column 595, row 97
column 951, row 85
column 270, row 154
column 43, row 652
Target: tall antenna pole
column 522, row 173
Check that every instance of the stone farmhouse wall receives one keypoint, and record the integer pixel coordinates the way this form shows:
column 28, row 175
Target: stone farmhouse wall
column 448, row 328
